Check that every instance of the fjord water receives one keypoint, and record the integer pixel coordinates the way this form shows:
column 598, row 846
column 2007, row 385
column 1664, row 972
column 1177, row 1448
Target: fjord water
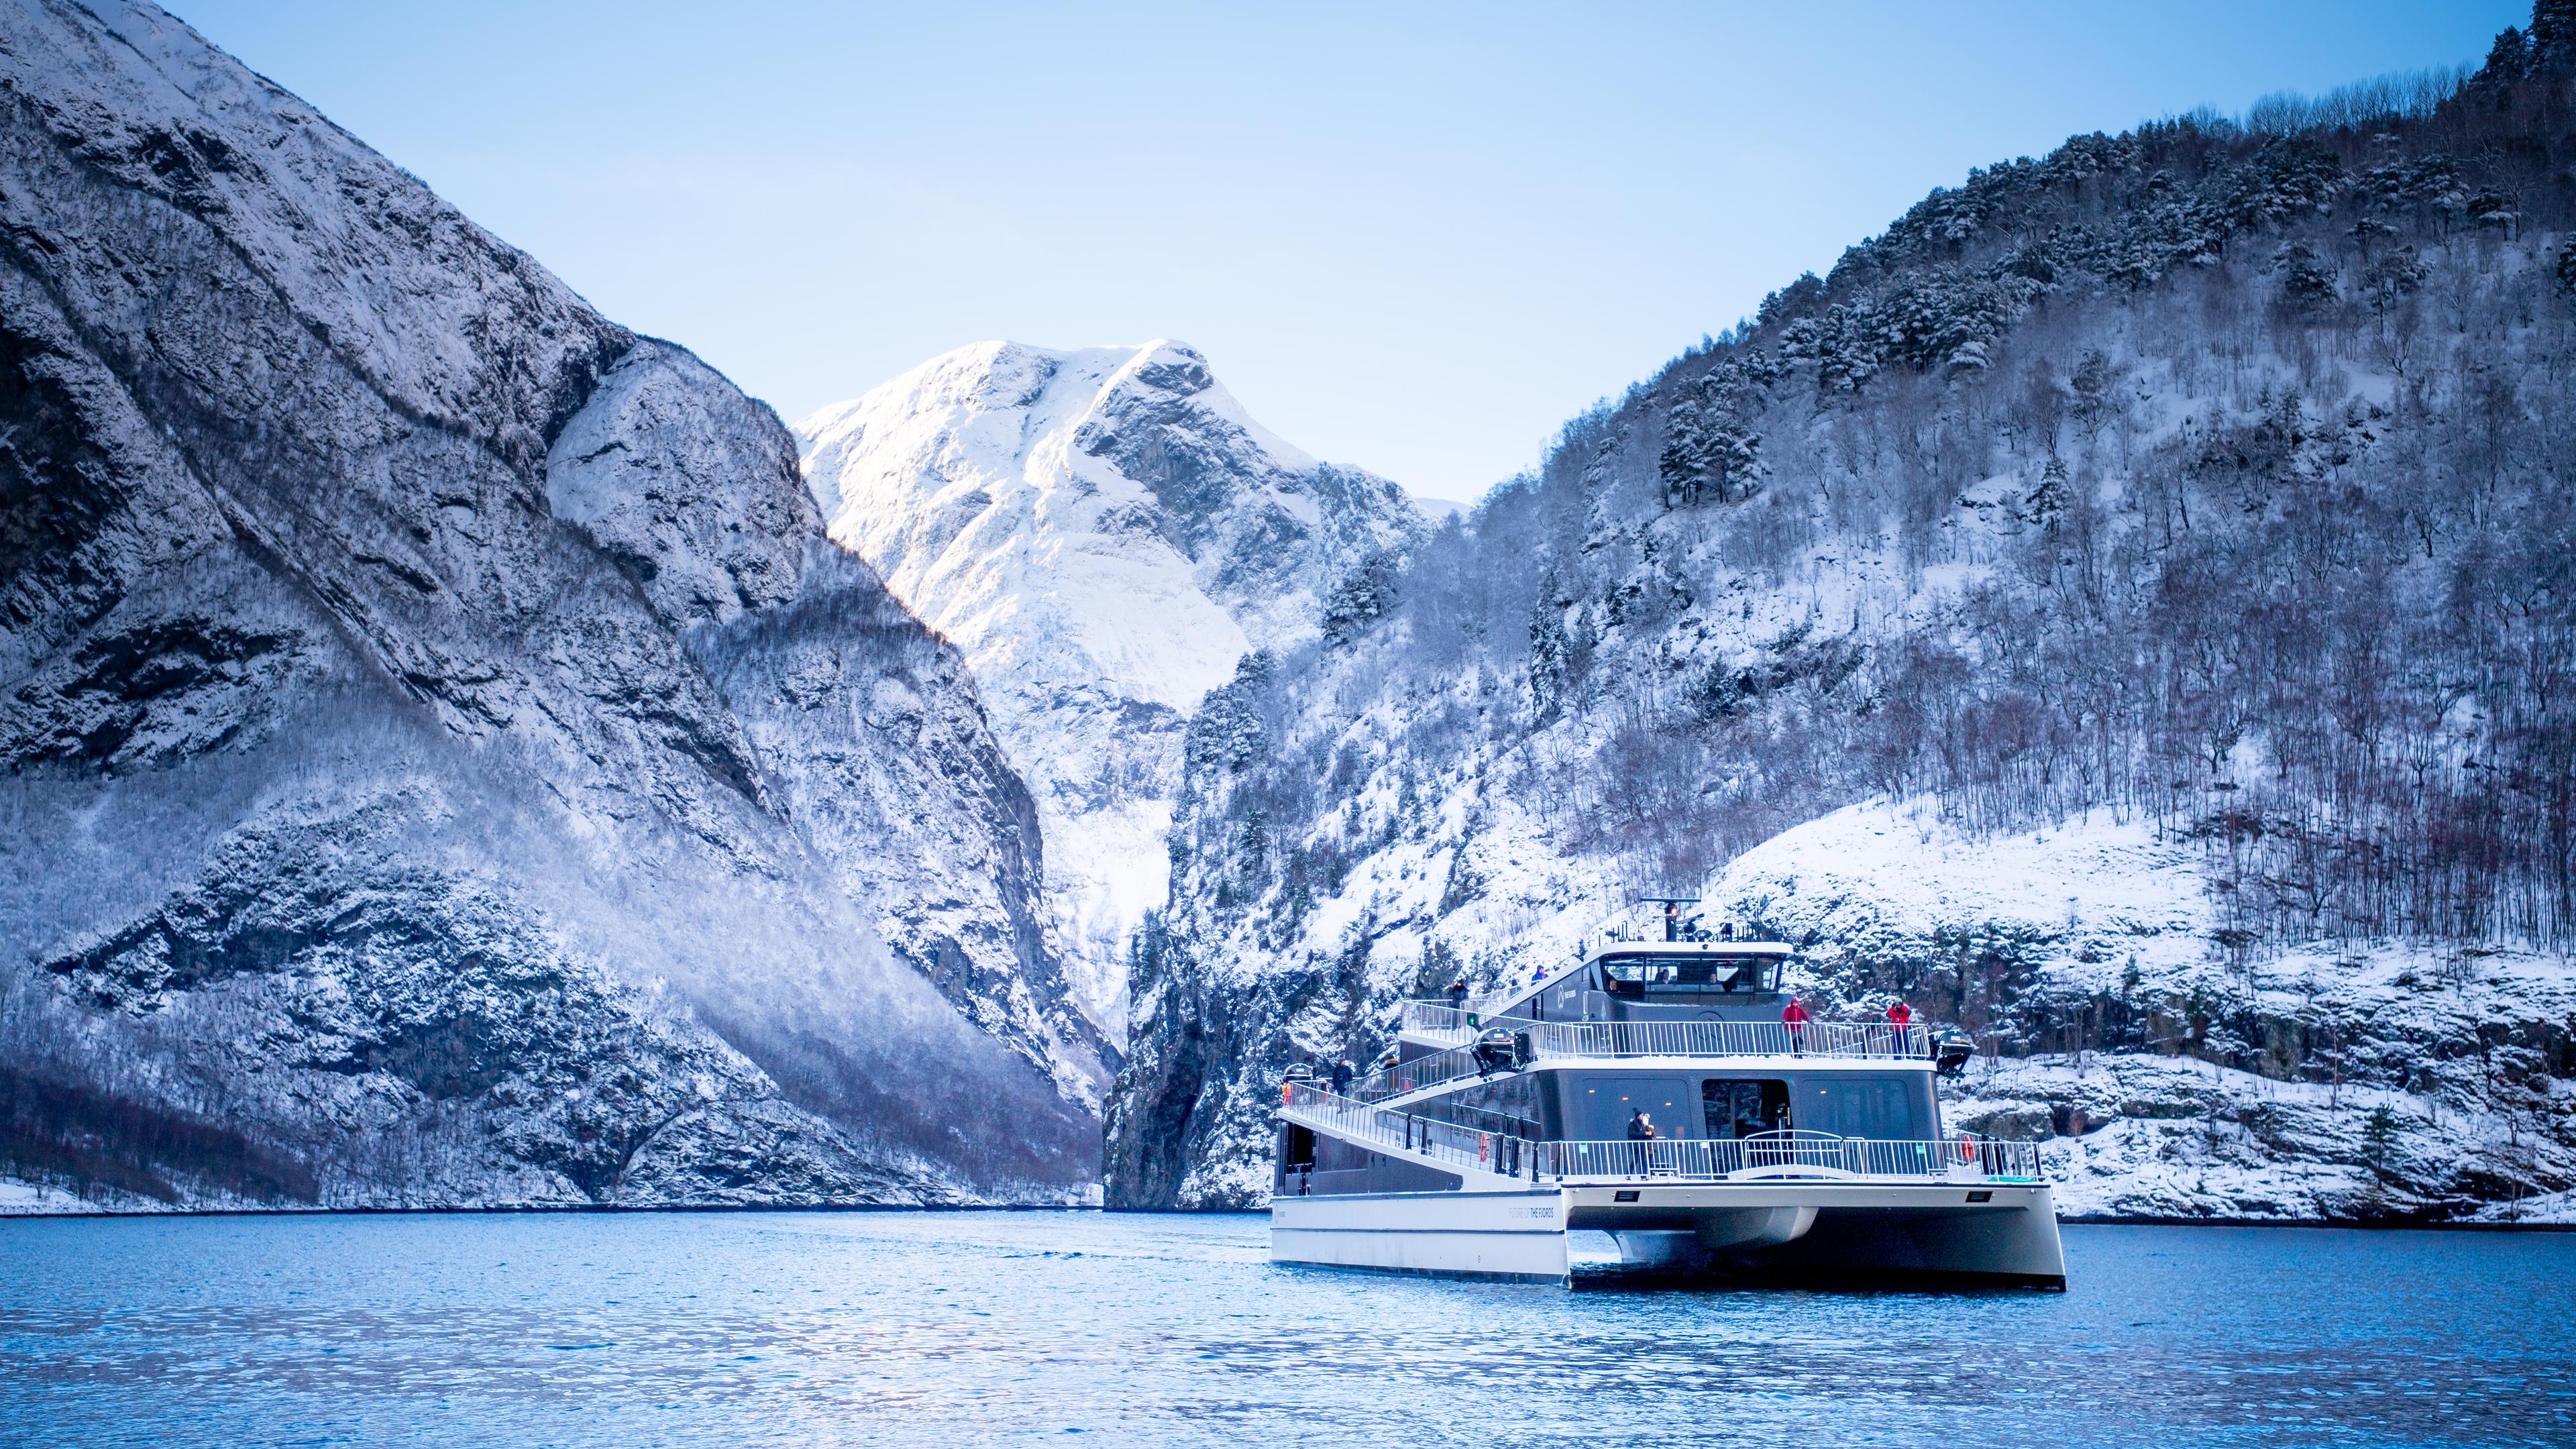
column 967, row 1328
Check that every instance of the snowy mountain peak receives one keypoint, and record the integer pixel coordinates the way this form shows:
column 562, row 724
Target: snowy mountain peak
column 1104, row 531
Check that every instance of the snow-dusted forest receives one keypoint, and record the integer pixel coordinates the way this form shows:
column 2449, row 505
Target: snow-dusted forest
column 2203, row 488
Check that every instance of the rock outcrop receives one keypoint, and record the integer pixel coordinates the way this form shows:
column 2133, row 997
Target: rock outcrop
column 448, row 763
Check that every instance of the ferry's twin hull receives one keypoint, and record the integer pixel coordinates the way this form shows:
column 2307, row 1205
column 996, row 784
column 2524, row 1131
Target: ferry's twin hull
column 1869, row 1232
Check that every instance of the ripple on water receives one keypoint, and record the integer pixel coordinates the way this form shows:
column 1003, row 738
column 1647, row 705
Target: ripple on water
column 947, row 1329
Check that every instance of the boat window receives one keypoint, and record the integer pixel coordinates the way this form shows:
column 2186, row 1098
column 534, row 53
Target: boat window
column 1878, row 1107
column 1514, row 1098
column 1602, row 1106
column 1636, row 977
column 1735, row 1107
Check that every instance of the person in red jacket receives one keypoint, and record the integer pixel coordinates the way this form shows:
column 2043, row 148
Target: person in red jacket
column 1900, row 1016
column 1794, row 1017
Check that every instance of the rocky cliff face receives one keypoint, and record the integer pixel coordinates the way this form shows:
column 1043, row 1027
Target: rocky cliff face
column 448, row 763
column 1104, row 533
column 2211, row 479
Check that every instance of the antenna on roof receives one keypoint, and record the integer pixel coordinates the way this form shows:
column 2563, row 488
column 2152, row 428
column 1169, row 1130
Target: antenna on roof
column 1672, row 912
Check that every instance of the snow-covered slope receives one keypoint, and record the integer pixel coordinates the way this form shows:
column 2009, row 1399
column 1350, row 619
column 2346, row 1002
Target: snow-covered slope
column 444, row 762
column 2107, row 510
column 1104, row 532
column 2304, row 1083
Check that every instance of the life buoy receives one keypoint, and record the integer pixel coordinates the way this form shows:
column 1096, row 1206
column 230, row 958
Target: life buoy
column 1484, row 1146
column 1967, row 1149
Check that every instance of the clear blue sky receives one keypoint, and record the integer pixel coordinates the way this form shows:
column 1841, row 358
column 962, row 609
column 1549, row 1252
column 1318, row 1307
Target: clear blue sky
column 1414, row 238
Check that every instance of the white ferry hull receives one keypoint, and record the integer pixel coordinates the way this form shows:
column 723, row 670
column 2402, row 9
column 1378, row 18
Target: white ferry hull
column 1505, row 1234
column 1802, row 1231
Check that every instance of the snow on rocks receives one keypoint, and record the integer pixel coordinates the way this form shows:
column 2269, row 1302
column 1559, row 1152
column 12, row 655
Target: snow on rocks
column 447, row 763
column 1104, row 533
column 2166, row 1075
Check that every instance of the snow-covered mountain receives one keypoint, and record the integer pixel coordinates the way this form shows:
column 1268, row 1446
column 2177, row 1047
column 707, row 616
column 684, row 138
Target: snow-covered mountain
column 446, row 761
column 1104, row 533
column 2124, row 608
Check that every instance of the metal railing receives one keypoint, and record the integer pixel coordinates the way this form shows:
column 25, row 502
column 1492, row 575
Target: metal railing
column 1725, row 1039
column 1439, row 1018
column 1793, row 1154
column 1678, row 1038
column 1788, row 1154
column 1838, row 1040
column 1450, row 1142
column 1437, row 1069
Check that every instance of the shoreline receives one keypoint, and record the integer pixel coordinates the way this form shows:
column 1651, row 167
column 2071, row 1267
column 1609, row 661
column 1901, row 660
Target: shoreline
column 610, row 1209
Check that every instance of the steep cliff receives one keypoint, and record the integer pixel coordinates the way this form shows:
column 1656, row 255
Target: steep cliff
column 448, row 762
column 1104, row 533
column 2210, row 479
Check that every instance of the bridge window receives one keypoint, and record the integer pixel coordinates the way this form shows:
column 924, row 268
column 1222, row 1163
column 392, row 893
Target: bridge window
column 1638, row 977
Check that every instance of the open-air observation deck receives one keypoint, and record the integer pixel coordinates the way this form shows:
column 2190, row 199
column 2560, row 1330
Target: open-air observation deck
column 1563, row 1042
column 1437, row 1023
column 1767, row 1157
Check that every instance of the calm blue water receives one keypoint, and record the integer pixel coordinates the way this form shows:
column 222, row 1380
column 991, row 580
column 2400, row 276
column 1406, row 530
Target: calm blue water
column 971, row 1328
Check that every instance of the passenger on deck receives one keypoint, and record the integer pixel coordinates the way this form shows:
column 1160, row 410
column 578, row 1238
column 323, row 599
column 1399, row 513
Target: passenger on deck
column 1900, row 1016
column 1794, row 1017
column 1458, row 995
column 1641, row 1128
column 1343, row 1071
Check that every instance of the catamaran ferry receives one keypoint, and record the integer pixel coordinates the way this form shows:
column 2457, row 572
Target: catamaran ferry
column 1656, row 1093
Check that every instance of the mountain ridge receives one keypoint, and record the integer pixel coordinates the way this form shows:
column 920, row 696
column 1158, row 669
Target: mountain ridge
column 1104, row 532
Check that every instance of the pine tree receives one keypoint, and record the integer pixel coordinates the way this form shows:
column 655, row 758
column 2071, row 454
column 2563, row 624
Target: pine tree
column 2379, row 1140
column 2308, row 281
column 1551, row 652
column 2567, row 266
column 1684, row 463
column 1711, row 454
column 2508, row 60
column 2553, row 34
column 2048, row 500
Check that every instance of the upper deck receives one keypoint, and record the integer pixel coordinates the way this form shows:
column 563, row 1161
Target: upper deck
column 1432, row 1027
column 1625, row 978
column 1639, row 1003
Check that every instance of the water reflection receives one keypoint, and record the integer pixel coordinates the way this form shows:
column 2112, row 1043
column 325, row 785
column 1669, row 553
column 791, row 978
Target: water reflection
column 947, row 1329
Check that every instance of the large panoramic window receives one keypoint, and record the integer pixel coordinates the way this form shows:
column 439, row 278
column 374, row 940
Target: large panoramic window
column 1644, row 976
column 1862, row 1107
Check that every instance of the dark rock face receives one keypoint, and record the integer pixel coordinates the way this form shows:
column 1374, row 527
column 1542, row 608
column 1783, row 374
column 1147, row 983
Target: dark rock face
column 445, row 758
